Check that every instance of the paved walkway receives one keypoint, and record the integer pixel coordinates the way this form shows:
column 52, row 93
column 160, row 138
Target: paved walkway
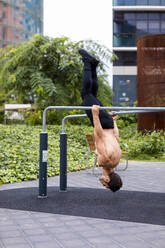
column 27, row 224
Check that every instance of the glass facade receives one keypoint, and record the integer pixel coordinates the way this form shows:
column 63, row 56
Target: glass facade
column 20, row 20
column 124, row 88
column 138, row 2
column 128, row 27
column 125, row 59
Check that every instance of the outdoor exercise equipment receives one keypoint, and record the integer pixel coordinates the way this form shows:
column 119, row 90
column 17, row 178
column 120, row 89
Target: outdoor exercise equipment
column 43, row 156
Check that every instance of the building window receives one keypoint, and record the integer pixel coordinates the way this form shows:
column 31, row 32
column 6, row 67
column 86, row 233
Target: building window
column 124, row 40
column 130, row 26
column 129, row 16
column 130, row 2
column 124, row 88
column 125, row 59
column 141, row 2
column 141, row 16
column 3, row 15
column 163, row 26
column 154, row 27
column 117, row 2
column 3, row 33
column 141, row 26
column 154, row 16
column 154, row 2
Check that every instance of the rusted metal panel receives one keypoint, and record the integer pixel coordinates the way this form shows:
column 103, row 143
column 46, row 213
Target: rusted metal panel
column 151, row 80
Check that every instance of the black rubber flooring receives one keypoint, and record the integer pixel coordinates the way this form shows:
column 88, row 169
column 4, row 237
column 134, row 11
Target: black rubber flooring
column 132, row 206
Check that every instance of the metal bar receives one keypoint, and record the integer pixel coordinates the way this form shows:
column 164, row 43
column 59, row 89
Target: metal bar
column 70, row 116
column 115, row 113
column 143, row 109
column 43, row 165
column 135, row 112
column 63, row 162
column 63, row 153
column 110, row 108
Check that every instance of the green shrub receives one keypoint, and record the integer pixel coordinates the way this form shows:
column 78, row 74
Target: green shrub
column 152, row 144
column 19, row 155
column 33, row 118
column 142, row 145
column 126, row 120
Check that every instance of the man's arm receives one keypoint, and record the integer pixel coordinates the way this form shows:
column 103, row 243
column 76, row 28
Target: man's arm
column 97, row 125
column 116, row 130
column 98, row 135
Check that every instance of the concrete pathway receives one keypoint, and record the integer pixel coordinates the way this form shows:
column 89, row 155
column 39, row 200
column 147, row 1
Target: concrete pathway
column 20, row 228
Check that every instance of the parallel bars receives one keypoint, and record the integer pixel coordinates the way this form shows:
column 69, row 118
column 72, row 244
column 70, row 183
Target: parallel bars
column 63, row 142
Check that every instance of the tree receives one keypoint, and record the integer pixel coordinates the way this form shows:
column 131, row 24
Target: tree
column 48, row 71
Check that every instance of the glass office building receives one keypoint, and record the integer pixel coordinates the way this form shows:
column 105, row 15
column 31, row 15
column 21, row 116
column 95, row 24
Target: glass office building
column 20, row 20
column 132, row 19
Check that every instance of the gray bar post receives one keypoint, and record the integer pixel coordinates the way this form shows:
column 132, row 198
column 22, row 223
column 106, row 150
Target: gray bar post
column 43, row 165
column 63, row 162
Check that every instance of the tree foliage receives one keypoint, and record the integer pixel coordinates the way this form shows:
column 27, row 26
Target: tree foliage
column 48, row 71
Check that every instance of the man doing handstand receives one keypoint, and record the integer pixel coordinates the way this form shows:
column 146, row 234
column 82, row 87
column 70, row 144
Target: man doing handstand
column 106, row 133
